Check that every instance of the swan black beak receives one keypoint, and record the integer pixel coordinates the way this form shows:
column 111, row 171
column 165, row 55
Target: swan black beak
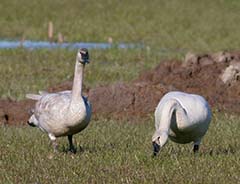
column 156, row 148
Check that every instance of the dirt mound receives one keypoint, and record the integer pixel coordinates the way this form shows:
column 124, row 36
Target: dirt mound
column 12, row 112
column 201, row 74
column 214, row 76
column 124, row 100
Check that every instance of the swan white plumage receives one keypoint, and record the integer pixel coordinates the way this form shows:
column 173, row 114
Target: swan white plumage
column 63, row 113
column 183, row 118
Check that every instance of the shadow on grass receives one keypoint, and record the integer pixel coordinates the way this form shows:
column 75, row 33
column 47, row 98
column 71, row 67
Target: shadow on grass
column 92, row 149
column 230, row 150
column 222, row 151
column 217, row 151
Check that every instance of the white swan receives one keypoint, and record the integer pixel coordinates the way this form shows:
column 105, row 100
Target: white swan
column 182, row 117
column 64, row 113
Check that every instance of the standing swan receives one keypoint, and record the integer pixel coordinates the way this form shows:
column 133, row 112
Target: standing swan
column 63, row 113
column 182, row 117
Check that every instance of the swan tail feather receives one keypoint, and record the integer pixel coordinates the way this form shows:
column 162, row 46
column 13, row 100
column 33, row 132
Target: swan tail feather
column 43, row 92
column 33, row 96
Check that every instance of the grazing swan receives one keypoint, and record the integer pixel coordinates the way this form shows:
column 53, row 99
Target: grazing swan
column 63, row 113
column 182, row 117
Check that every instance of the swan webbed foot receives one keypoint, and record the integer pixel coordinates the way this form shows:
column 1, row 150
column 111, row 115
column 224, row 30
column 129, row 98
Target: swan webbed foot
column 195, row 148
column 72, row 150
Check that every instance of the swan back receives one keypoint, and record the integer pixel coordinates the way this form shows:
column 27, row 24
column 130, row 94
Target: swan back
column 195, row 107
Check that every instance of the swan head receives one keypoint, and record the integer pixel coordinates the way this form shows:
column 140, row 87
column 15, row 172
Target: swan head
column 159, row 139
column 82, row 56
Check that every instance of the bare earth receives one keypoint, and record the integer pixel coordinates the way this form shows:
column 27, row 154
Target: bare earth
column 214, row 76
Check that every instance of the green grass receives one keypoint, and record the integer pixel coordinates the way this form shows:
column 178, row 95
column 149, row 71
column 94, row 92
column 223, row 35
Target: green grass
column 120, row 152
column 168, row 29
column 177, row 26
column 23, row 71
column 195, row 25
column 114, row 151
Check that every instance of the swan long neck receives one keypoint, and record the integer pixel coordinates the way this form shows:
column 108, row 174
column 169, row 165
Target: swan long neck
column 165, row 120
column 77, row 83
column 167, row 114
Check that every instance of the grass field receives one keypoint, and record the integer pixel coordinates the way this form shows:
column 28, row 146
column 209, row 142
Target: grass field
column 114, row 151
column 25, row 71
column 120, row 152
column 199, row 25
column 167, row 29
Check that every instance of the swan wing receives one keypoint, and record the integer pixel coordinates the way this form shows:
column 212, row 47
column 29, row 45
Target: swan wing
column 36, row 96
column 53, row 104
column 42, row 93
column 51, row 111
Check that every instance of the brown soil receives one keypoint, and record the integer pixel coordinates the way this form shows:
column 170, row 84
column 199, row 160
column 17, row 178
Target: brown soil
column 199, row 74
column 12, row 112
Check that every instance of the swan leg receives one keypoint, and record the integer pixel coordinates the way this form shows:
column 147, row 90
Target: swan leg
column 54, row 142
column 196, row 146
column 71, row 146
